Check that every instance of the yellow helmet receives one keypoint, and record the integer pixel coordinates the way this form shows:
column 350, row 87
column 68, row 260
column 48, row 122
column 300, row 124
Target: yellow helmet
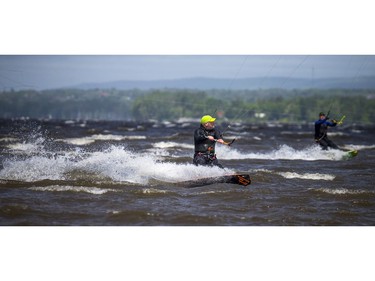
column 207, row 118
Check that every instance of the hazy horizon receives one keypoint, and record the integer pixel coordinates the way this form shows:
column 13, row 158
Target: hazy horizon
column 58, row 71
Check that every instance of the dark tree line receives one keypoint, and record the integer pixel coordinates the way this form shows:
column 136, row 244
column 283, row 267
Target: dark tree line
column 290, row 106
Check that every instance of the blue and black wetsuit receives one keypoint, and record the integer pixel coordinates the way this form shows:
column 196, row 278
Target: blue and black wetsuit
column 321, row 128
column 205, row 148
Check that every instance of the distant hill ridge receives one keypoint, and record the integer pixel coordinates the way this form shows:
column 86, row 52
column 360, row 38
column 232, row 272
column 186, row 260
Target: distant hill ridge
column 203, row 83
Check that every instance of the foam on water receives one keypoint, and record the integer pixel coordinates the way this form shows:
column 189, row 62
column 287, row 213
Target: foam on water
column 172, row 149
column 153, row 191
column 7, row 139
column 294, row 175
column 91, row 190
column 359, row 147
column 99, row 137
column 341, row 191
column 24, row 147
column 284, row 152
column 28, row 146
column 171, row 144
column 316, row 176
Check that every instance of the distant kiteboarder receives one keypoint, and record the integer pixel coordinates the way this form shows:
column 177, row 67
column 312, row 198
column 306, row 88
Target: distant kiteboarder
column 321, row 129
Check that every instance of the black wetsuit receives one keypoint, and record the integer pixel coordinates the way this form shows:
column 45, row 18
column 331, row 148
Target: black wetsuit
column 321, row 128
column 205, row 148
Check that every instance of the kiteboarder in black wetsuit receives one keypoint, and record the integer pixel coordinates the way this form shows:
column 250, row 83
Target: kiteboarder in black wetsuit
column 321, row 128
column 205, row 138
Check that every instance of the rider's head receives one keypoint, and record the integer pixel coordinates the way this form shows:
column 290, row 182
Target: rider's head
column 208, row 122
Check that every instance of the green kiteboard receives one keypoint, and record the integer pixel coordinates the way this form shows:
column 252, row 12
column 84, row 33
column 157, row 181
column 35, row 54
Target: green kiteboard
column 350, row 154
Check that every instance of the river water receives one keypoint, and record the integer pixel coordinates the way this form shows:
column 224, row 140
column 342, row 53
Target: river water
column 97, row 173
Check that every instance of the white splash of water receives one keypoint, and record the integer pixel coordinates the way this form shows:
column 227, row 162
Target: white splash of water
column 116, row 163
column 35, row 168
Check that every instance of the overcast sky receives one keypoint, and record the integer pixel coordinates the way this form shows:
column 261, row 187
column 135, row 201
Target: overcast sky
column 49, row 71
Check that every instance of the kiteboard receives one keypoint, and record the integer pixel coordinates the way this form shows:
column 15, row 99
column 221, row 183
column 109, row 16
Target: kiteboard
column 350, row 154
column 239, row 179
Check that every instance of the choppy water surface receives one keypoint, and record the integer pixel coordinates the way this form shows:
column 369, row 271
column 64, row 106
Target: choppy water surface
column 125, row 173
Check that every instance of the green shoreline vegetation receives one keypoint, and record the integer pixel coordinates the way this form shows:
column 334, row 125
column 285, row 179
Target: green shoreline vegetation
column 272, row 105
